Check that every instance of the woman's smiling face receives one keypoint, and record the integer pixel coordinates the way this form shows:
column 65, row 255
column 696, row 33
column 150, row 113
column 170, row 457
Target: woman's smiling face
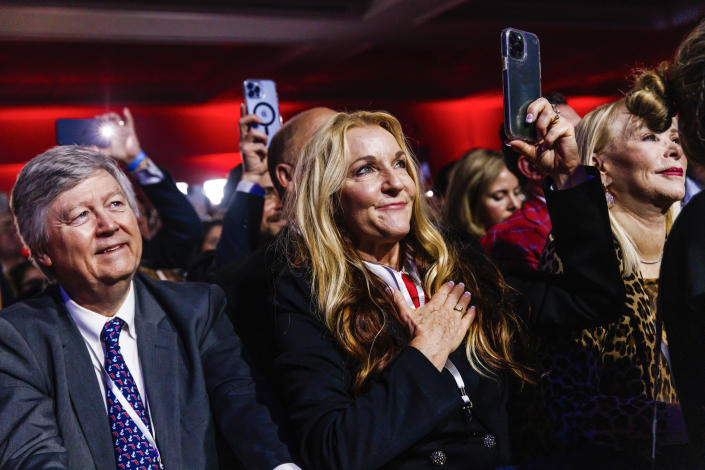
column 378, row 194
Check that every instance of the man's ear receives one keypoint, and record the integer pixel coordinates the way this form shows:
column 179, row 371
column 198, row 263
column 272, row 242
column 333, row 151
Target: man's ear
column 598, row 161
column 284, row 173
column 527, row 169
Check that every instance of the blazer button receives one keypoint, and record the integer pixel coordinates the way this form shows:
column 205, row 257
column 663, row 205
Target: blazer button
column 489, row 441
column 438, row 458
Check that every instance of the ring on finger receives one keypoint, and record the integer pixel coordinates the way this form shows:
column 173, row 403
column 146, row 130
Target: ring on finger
column 556, row 115
column 459, row 308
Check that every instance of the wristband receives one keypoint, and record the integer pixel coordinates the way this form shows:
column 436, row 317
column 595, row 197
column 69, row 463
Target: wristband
column 250, row 188
column 136, row 162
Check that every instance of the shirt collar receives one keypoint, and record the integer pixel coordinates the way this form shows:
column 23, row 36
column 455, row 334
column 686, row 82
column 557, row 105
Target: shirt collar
column 90, row 323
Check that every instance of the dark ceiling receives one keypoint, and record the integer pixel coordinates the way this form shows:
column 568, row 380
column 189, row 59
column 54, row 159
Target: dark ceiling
column 180, row 52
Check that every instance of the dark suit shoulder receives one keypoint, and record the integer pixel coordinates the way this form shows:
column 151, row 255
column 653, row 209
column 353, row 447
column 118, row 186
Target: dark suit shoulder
column 31, row 312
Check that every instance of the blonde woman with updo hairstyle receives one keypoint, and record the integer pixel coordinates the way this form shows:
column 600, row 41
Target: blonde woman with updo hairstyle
column 396, row 348
column 481, row 193
column 609, row 387
column 682, row 289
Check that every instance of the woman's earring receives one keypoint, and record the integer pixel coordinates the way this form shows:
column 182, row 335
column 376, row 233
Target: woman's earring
column 609, row 198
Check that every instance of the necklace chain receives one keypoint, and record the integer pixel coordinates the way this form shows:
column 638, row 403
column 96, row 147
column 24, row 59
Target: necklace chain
column 651, row 261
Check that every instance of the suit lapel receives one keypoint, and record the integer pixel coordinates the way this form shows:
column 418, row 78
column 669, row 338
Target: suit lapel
column 158, row 349
column 87, row 400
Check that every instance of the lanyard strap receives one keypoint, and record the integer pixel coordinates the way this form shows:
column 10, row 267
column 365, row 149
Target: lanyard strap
column 450, row 367
column 128, row 408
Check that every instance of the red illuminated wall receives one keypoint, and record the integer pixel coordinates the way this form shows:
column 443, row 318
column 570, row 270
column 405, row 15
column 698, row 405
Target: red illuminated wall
column 199, row 142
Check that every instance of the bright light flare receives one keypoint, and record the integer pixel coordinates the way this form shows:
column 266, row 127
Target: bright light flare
column 182, row 186
column 107, row 130
column 214, row 190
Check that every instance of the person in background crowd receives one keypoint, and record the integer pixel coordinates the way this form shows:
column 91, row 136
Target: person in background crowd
column 604, row 384
column 212, row 229
column 111, row 369
column 516, row 244
column 253, row 214
column 370, row 326
column 10, row 252
column 481, row 193
column 248, row 282
column 180, row 228
column 439, row 189
column 682, row 287
column 10, row 244
column 27, row 280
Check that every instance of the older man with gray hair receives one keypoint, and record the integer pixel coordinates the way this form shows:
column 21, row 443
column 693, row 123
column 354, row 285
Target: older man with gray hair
column 111, row 370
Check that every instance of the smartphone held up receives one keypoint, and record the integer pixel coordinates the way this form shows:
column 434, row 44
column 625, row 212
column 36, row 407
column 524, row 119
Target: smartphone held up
column 84, row 132
column 261, row 100
column 521, row 81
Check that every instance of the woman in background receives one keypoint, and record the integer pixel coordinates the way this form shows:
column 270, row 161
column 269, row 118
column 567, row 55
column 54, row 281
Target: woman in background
column 482, row 192
column 608, row 387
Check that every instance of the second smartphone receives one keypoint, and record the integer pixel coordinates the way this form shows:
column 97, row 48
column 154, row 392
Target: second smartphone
column 521, row 81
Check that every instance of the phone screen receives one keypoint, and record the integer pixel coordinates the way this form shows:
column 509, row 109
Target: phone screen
column 85, row 132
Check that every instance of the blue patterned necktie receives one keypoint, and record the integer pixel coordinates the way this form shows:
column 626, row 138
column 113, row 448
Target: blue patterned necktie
column 132, row 449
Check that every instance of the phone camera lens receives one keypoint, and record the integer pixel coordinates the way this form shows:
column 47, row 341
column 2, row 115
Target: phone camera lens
column 251, row 94
column 516, row 45
column 257, row 90
column 249, row 85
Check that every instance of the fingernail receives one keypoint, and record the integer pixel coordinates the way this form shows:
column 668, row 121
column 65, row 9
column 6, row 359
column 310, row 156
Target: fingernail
column 461, row 284
column 529, row 117
column 389, row 290
column 473, row 310
column 466, row 294
column 451, row 283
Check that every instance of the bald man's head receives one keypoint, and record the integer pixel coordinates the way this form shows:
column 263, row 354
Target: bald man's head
column 286, row 145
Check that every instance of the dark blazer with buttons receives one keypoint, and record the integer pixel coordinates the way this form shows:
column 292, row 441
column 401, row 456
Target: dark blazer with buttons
column 52, row 413
column 411, row 416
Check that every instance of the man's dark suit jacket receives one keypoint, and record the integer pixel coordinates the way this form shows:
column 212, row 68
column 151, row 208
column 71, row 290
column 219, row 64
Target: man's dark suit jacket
column 52, row 413
column 241, row 225
column 681, row 301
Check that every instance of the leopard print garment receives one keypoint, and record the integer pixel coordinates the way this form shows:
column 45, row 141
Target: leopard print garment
column 600, row 384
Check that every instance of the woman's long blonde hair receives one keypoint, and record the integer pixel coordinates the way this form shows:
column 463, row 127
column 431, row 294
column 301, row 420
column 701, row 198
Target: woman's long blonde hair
column 645, row 101
column 472, row 176
column 353, row 302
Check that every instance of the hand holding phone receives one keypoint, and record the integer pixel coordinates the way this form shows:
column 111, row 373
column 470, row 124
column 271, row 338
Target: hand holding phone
column 124, row 146
column 521, row 81
column 252, row 146
column 113, row 134
column 556, row 153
